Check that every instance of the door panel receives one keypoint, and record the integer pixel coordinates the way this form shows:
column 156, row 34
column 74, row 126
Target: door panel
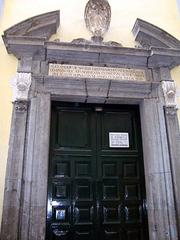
column 70, row 125
column 95, row 191
column 116, row 122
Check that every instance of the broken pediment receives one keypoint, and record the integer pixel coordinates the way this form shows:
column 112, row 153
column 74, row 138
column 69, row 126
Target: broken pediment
column 30, row 40
column 27, row 37
column 41, row 26
column 148, row 35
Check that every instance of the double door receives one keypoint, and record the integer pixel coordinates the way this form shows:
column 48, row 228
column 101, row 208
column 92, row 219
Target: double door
column 96, row 184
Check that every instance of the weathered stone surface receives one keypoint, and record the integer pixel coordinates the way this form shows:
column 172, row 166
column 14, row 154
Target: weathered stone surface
column 27, row 173
column 159, row 185
column 124, row 89
column 25, row 65
column 14, row 173
column 96, row 88
column 70, row 53
column 174, row 150
column 149, row 35
column 23, row 47
column 39, row 158
column 161, row 57
column 165, row 74
column 41, row 26
column 26, row 39
column 37, row 222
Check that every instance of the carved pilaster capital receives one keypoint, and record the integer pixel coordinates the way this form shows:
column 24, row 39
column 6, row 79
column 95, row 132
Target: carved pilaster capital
column 171, row 111
column 20, row 85
column 169, row 90
column 21, row 106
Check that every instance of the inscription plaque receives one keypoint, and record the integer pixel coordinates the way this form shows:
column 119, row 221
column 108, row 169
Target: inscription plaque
column 76, row 71
column 118, row 140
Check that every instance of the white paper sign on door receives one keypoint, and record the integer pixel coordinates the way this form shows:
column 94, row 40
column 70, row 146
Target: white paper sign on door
column 118, row 140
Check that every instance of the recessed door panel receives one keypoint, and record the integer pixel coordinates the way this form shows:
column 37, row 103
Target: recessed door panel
column 117, row 122
column 70, row 125
column 95, row 191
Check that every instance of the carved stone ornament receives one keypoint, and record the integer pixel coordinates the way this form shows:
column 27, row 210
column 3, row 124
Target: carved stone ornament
column 171, row 111
column 97, row 17
column 20, row 85
column 169, row 90
column 83, row 41
column 21, row 106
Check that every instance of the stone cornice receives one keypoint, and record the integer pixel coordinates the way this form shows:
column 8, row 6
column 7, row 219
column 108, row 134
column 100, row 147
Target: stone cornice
column 33, row 31
column 41, row 26
column 29, row 39
column 164, row 57
column 151, row 58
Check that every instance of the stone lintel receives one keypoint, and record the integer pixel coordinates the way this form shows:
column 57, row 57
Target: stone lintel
column 112, row 56
column 106, row 56
column 100, row 90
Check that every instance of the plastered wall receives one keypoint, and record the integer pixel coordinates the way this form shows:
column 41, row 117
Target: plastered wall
column 162, row 13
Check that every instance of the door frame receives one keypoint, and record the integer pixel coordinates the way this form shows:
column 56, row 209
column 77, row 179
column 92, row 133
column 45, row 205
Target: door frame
column 25, row 194
column 158, row 174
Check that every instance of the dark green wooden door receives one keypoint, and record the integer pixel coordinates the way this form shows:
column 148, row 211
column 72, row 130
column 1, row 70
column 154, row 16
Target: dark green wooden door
column 96, row 181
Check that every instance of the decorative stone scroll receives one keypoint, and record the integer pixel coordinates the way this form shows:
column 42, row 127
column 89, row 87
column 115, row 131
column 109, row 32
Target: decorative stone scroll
column 20, row 85
column 169, row 90
column 76, row 71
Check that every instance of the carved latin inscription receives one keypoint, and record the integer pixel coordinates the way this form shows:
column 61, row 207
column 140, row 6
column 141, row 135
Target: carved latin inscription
column 75, row 71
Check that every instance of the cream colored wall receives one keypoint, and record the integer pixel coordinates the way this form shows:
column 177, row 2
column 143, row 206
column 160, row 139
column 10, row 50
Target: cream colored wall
column 162, row 13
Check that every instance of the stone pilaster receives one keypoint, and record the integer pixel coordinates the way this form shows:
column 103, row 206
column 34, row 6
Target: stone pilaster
column 173, row 134
column 14, row 171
